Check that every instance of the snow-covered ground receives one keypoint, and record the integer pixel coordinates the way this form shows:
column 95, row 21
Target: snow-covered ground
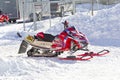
column 102, row 30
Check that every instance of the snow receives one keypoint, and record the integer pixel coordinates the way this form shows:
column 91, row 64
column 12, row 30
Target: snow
column 102, row 30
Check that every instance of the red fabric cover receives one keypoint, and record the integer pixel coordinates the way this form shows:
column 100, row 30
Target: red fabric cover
column 40, row 35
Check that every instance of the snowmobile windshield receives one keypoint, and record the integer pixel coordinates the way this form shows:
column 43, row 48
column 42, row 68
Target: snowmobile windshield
column 71, row 30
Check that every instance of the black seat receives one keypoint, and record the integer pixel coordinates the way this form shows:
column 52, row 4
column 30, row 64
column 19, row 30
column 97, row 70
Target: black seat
column 47, row 37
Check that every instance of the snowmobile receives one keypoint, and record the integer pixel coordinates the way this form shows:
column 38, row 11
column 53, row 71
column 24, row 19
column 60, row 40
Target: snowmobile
column 3, row 18
column 47, row 45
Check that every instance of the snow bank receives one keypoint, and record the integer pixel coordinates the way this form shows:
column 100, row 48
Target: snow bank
column 101, row 29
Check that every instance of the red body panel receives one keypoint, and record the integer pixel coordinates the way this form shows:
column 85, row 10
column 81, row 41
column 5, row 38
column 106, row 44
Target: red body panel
column 67, row 37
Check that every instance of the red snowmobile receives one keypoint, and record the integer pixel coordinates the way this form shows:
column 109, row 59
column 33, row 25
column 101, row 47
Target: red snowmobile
column 3, row 18
column 47, row 45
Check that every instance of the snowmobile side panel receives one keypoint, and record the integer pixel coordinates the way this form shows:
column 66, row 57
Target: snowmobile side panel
column 36, row 43
column 23, row 47
column 42, row 44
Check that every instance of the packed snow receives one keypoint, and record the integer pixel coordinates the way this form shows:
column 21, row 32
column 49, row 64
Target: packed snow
column 102, row 30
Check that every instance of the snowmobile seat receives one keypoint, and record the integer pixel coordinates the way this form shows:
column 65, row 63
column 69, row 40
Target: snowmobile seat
column 44, row 37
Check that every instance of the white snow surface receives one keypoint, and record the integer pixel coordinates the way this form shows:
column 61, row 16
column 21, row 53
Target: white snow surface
column 102, row 30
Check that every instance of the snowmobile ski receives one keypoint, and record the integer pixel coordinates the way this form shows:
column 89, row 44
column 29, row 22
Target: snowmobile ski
column 101, row 53
column 85, row 56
